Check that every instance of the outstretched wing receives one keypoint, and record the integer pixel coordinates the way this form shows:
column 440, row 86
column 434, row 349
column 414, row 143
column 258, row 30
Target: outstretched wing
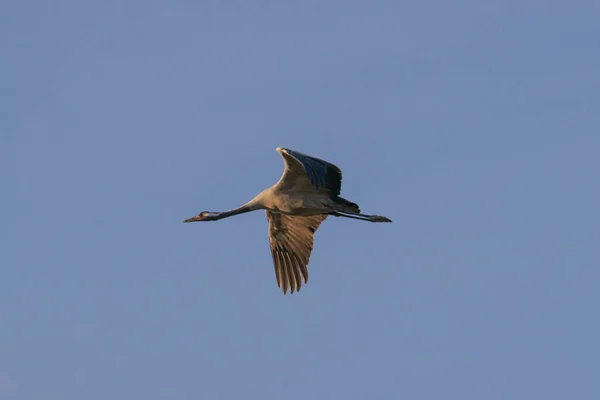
column 306, row 172
column 291, row 239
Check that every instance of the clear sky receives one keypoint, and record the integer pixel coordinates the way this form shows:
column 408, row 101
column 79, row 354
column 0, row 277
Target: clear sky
column 474, row 125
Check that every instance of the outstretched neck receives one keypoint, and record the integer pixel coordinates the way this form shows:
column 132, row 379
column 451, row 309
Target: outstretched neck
column 230, row 213
column 251, row 206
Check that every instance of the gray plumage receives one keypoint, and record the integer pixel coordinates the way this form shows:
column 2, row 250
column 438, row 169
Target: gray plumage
column 305, row 195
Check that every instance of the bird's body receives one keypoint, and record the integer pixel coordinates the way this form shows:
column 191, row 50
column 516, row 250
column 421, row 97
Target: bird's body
column 289, row 202
column 296, row 205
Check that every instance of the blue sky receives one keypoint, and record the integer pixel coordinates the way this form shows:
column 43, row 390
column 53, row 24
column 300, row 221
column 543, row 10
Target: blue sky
column 474, row 126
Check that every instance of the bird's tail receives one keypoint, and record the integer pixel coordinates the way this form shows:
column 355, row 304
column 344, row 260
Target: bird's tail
column 346, row 206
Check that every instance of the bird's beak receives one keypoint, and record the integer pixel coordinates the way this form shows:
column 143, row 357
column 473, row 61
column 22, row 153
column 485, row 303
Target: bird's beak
column 193, row 219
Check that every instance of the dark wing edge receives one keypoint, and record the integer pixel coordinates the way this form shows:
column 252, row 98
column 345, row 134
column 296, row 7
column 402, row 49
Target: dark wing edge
column 291, row 239
column 322, row 174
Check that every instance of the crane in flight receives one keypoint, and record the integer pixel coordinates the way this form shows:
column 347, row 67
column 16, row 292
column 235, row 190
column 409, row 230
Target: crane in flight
column 306, row 194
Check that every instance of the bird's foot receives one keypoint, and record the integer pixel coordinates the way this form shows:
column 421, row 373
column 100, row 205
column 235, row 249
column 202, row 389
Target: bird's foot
column 379, row 218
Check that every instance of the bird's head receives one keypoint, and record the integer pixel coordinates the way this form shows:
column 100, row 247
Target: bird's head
column 203, row 216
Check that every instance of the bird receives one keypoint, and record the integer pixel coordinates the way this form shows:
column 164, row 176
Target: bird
column 305, row 195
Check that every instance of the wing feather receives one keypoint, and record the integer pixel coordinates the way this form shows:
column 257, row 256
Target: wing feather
column 303, row 172
column 291, row 239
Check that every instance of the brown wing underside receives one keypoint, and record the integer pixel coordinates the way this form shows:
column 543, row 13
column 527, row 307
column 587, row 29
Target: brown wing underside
column 291, row 239
column 304, row 173
column 294, row 176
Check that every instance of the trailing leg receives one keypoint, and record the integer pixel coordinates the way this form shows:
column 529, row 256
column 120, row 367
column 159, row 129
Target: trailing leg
column 362, row 217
